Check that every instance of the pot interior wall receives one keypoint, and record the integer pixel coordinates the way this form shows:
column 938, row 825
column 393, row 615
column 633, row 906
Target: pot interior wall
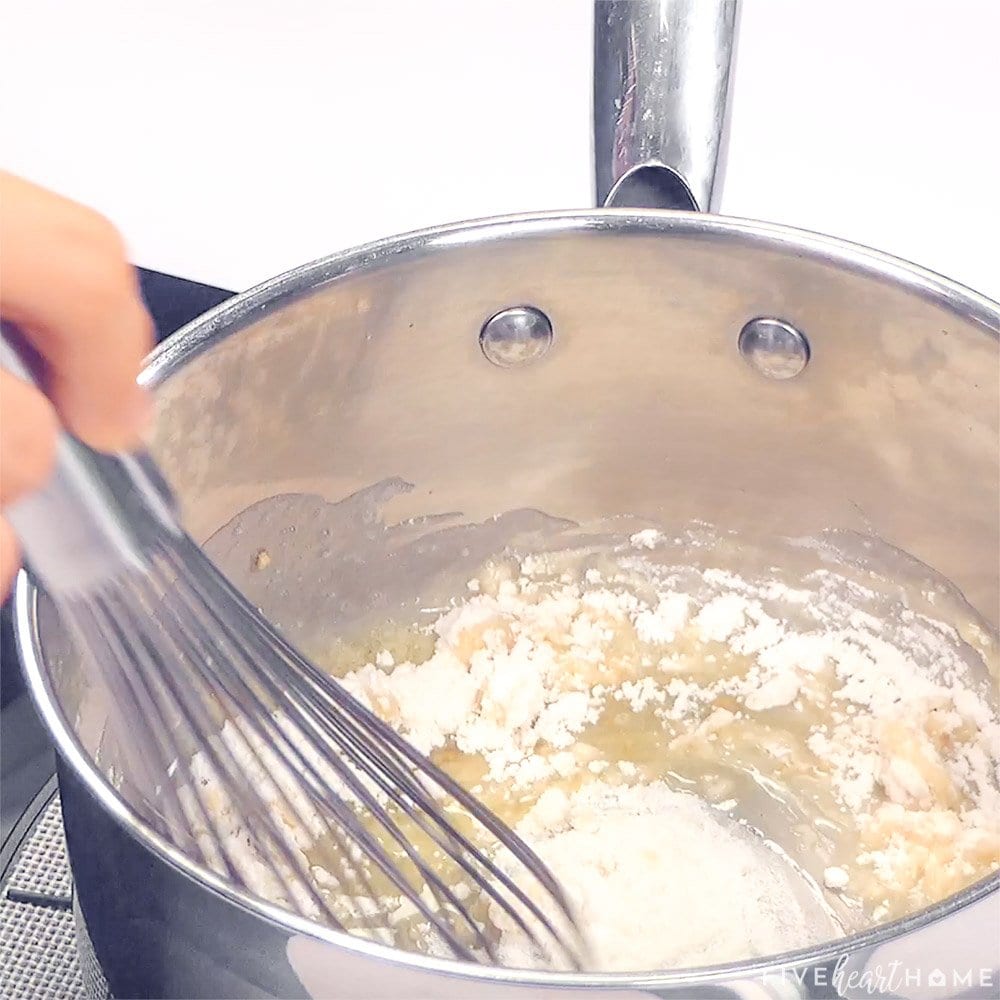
column 643, row 405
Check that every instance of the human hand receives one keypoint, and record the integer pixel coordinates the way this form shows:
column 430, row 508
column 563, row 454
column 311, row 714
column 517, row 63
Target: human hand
column 66, row 283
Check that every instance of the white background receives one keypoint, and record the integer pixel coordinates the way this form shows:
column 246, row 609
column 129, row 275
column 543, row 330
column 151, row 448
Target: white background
column 231, row 139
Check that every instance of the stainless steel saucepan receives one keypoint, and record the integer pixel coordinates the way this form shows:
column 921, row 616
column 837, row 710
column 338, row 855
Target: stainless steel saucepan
column 669, row 364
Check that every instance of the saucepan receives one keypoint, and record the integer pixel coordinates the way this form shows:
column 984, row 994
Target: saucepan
column 648, row 359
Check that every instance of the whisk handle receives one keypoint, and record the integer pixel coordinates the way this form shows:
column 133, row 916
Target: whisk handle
column 98, row 512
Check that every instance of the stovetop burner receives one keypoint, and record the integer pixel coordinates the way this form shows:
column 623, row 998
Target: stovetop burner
column 45, row 953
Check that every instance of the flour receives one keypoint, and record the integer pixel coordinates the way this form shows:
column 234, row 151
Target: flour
column 776, row 691
column 510, row 672
column 898, row 731
column 835, row 877
column 662, row 880
column 645, row 539
column 721, row 617
column 661, row 624
column 619, row 713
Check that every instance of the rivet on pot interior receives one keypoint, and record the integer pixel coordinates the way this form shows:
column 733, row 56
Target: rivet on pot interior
column 516, row 336
column 774, row 348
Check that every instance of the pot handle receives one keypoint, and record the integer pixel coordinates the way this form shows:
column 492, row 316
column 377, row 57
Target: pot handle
column 661, row 87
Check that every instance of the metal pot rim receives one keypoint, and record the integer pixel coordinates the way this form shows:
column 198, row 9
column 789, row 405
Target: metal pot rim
column 236, row 313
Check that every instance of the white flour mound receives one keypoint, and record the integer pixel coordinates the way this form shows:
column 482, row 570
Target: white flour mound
column 661, row 880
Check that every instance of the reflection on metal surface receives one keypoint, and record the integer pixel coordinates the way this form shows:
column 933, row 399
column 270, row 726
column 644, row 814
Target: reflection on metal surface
column 661, row 81
column 774, row 348
column 957, row 957
column 516, row 336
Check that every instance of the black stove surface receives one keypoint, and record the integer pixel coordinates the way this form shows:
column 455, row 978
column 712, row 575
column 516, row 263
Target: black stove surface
column 26, row 759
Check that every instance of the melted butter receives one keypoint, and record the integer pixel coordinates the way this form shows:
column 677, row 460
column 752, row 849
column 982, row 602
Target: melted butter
column 756, row 766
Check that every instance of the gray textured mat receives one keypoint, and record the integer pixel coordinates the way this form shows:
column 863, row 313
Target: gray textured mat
column 39, row 956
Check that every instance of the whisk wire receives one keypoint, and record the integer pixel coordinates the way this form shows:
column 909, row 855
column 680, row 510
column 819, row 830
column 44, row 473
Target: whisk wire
column 323, row 694
column 414, row 801
column 318, row 788
column 192, row 714
column 98, row 635
column 223, row 763
column 327, row 799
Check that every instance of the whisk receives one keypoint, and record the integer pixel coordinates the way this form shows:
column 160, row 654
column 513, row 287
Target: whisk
column 214, row 705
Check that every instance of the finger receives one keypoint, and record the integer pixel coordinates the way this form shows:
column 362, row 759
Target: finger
column 10, row 558
column 67, row 283
column 28, row 429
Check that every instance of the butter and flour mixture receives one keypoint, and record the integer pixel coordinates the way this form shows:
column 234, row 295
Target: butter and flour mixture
column 714, row 766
